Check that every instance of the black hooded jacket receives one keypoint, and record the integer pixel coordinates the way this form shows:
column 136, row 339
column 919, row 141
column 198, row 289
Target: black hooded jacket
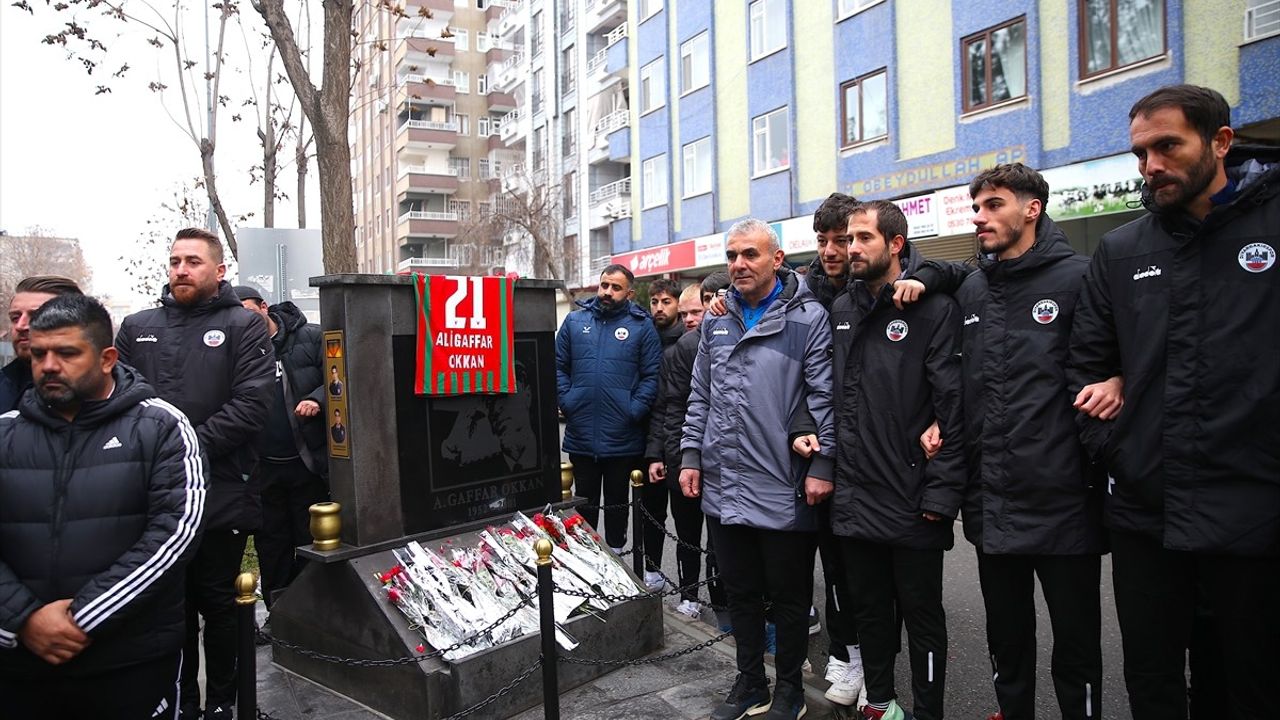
column 1031, row 490
column 895, row 372
column 666, row 423
column 105, row 509
column 1185, row 310
column 300, row 350
column 214, row 361
column 821, row 284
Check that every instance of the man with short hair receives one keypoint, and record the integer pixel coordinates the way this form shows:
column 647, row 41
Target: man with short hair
column 102, row 489
column 1033, row 506
column 1178, row 302
column 29, row 295
column 895, row 372
column 293, row 458
column 203, row 352
column 607, row 359
column 756, row 367
column 664, row 300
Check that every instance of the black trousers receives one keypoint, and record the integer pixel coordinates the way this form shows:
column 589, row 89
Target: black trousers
column 755, row 563
column 1157, row 594
column 289, row 489
column 1071, row 589
column 842, row 626
column 654, row 498
column 145, row 690
column 715, row 586
column 613, row 476
column 211, row 594
column 688, row 517
column 881, row 576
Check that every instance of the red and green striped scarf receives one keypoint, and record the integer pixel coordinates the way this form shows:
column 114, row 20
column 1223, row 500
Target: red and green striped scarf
column 466, row 335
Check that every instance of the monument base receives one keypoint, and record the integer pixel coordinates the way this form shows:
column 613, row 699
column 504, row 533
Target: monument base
column 339, row 608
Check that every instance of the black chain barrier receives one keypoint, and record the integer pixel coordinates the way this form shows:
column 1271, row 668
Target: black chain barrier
column 499, row 693
column 652, row 659
column 662, row 526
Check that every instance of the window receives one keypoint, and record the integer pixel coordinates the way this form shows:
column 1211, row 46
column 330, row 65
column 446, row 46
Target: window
column 1116, row 33
column 652, row 89
column 482, row 126
column 535, row 36
column 462, row 81
column 483, row 42
column 461, row 167
column 459, row 38
column 570, row 193
column 461, row 208
column 464, row 123
column 769, row 135
column 568, row 72
column 768, row 27
column 495, row 124
column 654, row 181
column 995, row 65
column 569, row 140
column 697, row 167
column 482, row 84
column 865, row 109
column 849, row 7
column 1261, row 19
column 695, row 69
column 648, row 8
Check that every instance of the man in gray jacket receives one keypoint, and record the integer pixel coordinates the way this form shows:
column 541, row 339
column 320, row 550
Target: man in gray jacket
column 756, row 367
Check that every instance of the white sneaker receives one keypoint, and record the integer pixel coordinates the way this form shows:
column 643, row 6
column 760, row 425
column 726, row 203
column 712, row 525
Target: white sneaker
column 847, row 686
column 806, row 667
column 617, row 551
column 836, row 669
column 691, row 609
column 654, row 581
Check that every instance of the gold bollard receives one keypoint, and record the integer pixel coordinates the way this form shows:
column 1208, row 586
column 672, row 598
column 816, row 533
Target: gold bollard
column 637, row 479
column 566, row 482
column 543, row 547
column 326, row 526
column 246, row 583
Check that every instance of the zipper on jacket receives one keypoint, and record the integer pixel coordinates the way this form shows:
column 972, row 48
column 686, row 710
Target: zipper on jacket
column 62, row 478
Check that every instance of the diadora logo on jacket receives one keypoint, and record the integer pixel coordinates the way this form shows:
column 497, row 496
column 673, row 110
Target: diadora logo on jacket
column 843, row 326
column 971, row 319
column 1149, row 272
column 896, row 330
column 1257, row 257
column 146, row 338
column 1044, row 311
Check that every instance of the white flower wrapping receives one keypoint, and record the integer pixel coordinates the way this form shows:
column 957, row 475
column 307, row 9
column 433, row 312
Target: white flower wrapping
column 455, row 597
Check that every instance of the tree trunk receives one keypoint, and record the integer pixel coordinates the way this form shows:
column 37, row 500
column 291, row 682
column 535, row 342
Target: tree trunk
column 300, row 161
column 269, row 171
column 210, row 186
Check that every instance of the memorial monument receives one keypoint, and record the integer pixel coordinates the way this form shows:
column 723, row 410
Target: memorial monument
column 432, row 468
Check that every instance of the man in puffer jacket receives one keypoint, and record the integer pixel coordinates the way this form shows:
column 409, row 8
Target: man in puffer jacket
column 1182, row 303
column 757, row 367
column 607, row 359
column 102, row 488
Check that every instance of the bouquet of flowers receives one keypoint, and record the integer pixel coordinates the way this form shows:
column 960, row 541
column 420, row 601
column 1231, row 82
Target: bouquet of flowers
column 466, row 599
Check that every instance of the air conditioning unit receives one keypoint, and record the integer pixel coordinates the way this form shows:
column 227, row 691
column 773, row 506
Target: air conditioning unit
column 380, row 106
column 611, row 208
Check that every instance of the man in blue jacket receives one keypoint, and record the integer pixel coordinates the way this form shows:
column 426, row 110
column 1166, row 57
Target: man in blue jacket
column 607, row 360
column 757, row 366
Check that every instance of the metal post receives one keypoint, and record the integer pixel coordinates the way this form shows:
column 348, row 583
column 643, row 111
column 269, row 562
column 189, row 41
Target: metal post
column 637, row 523
column 547, row 626
column 246, row 652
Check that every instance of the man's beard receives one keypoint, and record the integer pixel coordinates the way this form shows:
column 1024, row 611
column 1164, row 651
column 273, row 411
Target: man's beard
column 190, row 294
column 1199, row 176
column 874, row 269
column 607, row 303
column 1001, row 242
column 70, row 394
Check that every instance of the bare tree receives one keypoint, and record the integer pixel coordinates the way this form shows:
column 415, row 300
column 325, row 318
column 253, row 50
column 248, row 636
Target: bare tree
column 38, row 252
column 79, row 37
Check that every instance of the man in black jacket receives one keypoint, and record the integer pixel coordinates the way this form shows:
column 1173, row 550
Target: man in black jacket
column 292, row 453
column 203, row 352
column 1179, row 302
column 28, row 296
column 102, row 489
column 1032, row 508
column 895, row 372
column 664, row 302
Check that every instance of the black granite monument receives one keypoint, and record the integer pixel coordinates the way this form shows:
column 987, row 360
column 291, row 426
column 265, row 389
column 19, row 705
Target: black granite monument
column 408, row 467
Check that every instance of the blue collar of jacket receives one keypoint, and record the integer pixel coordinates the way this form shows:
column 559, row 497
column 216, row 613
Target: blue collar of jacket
column 751, row 315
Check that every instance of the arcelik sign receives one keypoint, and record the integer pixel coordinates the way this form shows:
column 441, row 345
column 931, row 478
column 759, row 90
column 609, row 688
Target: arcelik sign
column 658, row 260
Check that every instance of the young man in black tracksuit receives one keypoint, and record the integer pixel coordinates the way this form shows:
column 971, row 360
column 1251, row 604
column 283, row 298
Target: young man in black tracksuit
column 1182, row 303
column 895, row 372
column 1033, row 506
column 293, row 463
column 207, row 355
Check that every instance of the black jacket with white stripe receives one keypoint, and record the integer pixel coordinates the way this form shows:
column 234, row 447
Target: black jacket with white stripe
column 105, row 509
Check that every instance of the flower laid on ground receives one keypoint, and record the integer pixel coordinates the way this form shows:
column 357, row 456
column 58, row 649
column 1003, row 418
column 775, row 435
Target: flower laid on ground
column 467, row 599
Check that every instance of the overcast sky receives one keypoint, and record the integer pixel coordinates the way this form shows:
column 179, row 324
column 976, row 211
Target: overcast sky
column 97, row 167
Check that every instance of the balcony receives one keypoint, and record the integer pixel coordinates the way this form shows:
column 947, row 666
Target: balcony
column 616, row 34
column 512, row 130
column 509, row 73
column 419, row 45
column 420, row 179
column 496, row 8
column 441, row 10
column 597, row 62
column 420, row 223
column 419, row 87
column 426, row 265
column 615, row 120
column 617, row 189
column 512, row 18
column 426, row 135
column 499, row 101
column 599, row 15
